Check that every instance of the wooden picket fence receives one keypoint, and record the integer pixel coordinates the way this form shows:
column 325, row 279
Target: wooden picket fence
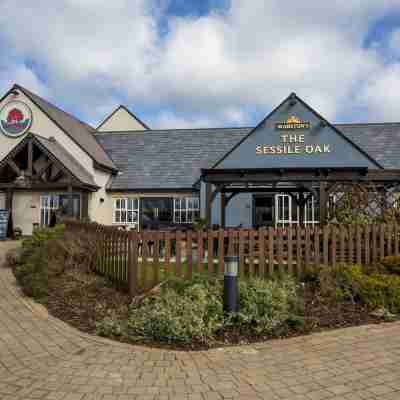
column 142, row 259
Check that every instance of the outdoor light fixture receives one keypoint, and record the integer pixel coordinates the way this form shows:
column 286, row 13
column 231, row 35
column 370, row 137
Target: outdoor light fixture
column 231, row 298
column 101, row 200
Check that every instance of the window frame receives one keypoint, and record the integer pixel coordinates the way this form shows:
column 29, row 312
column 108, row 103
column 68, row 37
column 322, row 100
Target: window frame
column 126, row 209
column 52, row 204
column 188, row 206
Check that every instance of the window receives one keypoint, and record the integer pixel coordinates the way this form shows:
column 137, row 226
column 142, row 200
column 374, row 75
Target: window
column 52, row 202
column 48, row 204
column 126, row 211
column 186, row 210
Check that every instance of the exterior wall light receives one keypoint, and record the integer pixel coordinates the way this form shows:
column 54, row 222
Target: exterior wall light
column 101, row 200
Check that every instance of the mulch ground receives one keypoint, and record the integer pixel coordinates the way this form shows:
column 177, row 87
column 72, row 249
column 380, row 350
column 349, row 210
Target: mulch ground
column 81, row 300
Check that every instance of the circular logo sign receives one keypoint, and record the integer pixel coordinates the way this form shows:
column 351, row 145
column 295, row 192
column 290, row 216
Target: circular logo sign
column 15, row 118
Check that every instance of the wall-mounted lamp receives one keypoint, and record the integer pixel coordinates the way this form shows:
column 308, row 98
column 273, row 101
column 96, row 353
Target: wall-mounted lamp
column 101, row 200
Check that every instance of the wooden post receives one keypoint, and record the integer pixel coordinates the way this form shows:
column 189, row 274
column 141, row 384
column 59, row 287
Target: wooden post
column 302, row 208
column 29, row 171
column 323, row 200
column 210, row 251
column 208, row 204
column 85, row 205
column 70, row 207
column 222, row 210
column 132, row 263
column 9, row 207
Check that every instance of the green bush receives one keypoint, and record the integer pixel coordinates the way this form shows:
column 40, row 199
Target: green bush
column 192, row 312
column 41, row 236
column 391, row 264
column 33, row 268
column 349, row 282
column 187, row 311
column 266, row 305
column 381, row 291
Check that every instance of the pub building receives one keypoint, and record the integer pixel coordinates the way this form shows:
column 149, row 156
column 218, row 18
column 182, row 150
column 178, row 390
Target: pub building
column 281, row 172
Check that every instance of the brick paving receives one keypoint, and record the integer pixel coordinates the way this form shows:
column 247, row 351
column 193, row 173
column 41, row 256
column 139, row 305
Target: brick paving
column 44, row 358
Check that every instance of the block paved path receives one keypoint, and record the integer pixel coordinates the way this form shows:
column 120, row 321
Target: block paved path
column 44, row 358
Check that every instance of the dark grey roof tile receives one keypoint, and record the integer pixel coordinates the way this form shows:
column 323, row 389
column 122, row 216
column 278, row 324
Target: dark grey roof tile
column 166, row 159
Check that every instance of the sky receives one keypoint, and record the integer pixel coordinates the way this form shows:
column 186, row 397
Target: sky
column 205, row 63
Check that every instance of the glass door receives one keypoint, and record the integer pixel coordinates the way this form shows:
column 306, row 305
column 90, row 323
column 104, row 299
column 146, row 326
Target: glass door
column 287, row 212
column 283, row 210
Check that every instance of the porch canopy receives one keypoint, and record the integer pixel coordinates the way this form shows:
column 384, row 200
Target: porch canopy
column 39, row 164
column 296, row 151
column 299, row 183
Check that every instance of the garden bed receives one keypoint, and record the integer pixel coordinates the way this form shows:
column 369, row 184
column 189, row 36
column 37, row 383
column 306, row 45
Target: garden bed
column 56, row 270
column 83, row 301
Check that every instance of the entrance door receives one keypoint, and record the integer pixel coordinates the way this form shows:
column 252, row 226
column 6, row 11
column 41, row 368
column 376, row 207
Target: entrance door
column 263, row 211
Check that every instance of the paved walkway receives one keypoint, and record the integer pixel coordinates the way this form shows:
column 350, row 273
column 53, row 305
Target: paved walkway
column 43, row 358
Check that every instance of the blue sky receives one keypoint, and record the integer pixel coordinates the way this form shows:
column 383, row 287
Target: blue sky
column 190, row 63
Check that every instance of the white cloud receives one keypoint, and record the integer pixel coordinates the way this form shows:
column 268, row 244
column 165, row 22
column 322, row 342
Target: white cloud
column 213, row 70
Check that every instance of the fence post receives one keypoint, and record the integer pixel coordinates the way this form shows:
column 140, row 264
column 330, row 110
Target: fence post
column 132, row 263
column 271, row 255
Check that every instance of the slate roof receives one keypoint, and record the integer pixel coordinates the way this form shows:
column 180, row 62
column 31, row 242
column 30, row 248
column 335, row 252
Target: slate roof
column 380, row 141
column 166, row 159
column 69, row 162
column 172, row 159
column 80, row 132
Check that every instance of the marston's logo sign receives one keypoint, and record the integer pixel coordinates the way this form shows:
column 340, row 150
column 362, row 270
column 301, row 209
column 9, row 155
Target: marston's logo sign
column 15, row 118
column 293, row 123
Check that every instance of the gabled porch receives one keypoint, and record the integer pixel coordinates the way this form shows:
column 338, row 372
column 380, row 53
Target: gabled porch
column 39, row 178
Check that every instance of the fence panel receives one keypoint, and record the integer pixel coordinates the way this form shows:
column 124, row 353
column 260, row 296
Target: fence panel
column 141, row 260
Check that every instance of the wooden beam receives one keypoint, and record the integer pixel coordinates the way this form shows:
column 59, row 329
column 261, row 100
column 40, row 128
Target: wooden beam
column 14, row 167
column 57, row 176
column 222, row 209
column 9, row 207
column 208, row 203
column 70, row 207
column 29, row 171
column 323, row 203
column 85, row 205
column 230, row 197
column 9, row 199
column 42, row 170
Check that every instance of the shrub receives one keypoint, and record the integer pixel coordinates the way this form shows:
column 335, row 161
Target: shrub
column 391, row 264
column 380, row 291
column 349, row 282
column 33, row 268
column 192, row 311
column 266, row 305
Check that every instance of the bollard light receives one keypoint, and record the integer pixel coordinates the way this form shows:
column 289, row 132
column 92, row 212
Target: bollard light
column 231, row 297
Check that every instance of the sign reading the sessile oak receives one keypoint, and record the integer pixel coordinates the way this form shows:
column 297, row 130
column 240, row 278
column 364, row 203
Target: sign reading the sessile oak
column 292, row 143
